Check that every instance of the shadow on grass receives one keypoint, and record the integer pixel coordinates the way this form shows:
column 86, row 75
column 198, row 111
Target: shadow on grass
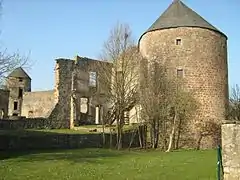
column 74, row 155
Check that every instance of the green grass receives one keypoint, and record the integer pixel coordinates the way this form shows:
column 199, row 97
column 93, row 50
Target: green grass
column 33, row 132
column 84, row 130
column 102, row 164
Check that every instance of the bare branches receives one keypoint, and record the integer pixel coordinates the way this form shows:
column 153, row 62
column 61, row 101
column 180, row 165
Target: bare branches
column 155, row 98
column 118, row 73
column 154, row 90
column 234, row 104
column 166, row 106
column 120, row 39
column 10, row 61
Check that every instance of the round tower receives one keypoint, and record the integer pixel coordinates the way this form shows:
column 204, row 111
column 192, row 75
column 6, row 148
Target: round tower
column 17, row 83
column 189, row 45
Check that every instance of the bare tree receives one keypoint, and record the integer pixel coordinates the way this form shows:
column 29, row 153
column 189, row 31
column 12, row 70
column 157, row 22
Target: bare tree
column 183, row 108
column 166, row 106
column 10, row 61
column 234, row 104
column 119, row 83
column 155, row 96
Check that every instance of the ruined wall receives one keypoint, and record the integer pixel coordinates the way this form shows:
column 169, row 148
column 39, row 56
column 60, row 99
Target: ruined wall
column 4, row 96
column 202, row 55
column 90, row 87
column 231, row 150
column 67, row 95
column 60, row 116
column 38, row 104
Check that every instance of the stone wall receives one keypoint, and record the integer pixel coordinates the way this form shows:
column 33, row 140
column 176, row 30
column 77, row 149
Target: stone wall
column 38, row 104
column 201, row 54
column 231, row 150
column 68, row 95
column 15, row 85
column 24, row 123
column 4, row 96
column 60, row 115
column 29, row 140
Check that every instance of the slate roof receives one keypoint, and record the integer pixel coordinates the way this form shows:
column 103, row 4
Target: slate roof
column 179, row 15
column 19, row 72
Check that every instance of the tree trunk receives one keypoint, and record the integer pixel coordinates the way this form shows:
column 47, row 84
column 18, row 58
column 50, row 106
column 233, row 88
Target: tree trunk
column 140, row 137
column 110, row 138
column 103, row 135
column 164, row 137
column 120, row 130
column 178, row 133
column 199, row 139
column 156, row 135
column 103, row 127
column 172, row 134
column 132, row 138
column 153, row 136
column 145, row 136
column 119, row 143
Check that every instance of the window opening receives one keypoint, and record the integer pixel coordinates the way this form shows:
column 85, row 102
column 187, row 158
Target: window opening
column 15, row 105
column 178, row 41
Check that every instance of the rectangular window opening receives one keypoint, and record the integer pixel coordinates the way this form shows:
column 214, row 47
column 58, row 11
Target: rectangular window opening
column 93, row 79
column 15, row 105
column 179, row 73
column 20, row 79
column 178, row 41
column 20, row 93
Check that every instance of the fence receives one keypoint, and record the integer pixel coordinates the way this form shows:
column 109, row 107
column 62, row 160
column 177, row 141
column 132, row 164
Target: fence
column 220, row 172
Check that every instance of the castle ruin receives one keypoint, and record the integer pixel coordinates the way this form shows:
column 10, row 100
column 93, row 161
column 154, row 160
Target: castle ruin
column 180, row 38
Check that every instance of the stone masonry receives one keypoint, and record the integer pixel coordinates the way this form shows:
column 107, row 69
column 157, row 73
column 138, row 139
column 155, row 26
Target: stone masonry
column 230, row 150
column 203, row 58
column 18, row 82
column 4, row 95
column 72, row 87
column 38, row 104
column 72, row 101
column 180, row 39
column 200, row 52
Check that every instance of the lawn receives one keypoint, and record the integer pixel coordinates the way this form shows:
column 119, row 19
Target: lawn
column 81, row 130
column 102, row 164
column 32, row 132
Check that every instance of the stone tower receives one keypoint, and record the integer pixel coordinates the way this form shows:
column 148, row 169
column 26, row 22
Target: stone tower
column 197, row 51
column 17, row 83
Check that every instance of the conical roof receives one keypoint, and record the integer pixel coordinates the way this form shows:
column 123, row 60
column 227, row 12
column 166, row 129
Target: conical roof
column 179, row 15
column 19, row 73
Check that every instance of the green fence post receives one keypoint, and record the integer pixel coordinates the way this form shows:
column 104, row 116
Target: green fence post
column 219, row 163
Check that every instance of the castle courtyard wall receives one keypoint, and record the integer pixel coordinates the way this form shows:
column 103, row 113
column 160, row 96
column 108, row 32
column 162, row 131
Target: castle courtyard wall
column 38, row 104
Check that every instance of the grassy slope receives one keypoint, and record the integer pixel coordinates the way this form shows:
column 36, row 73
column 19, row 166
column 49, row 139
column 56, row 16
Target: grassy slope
column 103, row 164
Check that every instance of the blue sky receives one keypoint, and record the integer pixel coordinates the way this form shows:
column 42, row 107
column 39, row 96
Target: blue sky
column 50, row 29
